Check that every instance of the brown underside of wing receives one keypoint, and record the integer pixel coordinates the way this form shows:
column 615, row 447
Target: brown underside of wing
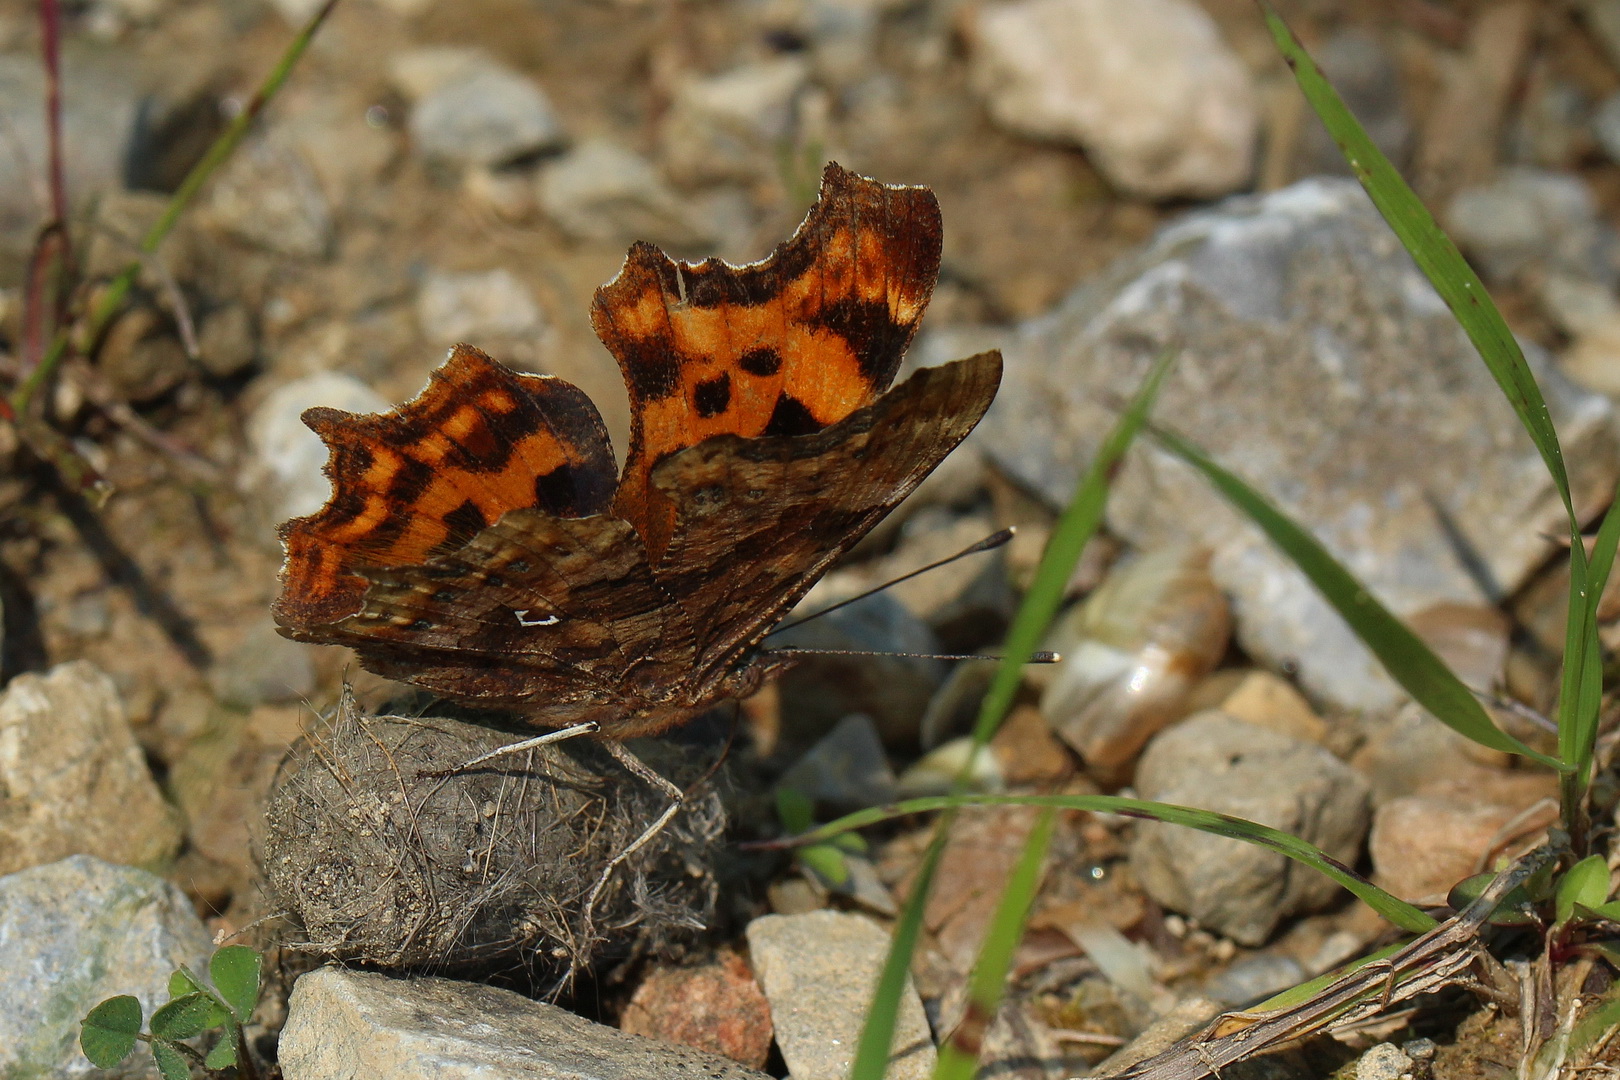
column 786, row 509
column 787, row 346
column 428, row 476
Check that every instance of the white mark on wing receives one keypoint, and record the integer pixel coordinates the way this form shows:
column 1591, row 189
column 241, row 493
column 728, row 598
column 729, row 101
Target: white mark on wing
column 549, row 620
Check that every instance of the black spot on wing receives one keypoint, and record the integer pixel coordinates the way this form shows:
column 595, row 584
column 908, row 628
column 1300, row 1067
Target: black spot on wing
column 763, row 361
column 652, row 371
column 870, row 323
column 713, row 396
column 790, row 417
column 464, row 522
column 558, row 491
column 409, row 481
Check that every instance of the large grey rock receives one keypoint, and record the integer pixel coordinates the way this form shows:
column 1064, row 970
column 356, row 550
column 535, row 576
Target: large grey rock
column 819, row 970
column 1161, row 104
column 343, row 1024
column 1316, row 362
column 72, row 778
column 74, row 933
column 1215, row 762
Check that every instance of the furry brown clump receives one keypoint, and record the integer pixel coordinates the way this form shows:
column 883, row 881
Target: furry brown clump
column 376, row 860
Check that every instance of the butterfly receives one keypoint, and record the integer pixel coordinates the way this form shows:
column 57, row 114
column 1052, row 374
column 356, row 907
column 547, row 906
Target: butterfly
column 480, row 541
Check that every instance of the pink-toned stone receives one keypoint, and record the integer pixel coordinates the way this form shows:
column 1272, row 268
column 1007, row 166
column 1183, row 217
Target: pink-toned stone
column 718, row 1007
column 1423, row 844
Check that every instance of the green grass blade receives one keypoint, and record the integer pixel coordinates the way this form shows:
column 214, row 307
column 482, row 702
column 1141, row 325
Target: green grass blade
column 1076, row 526
column 1073, row 530
column 959, row 1055
column 1403, row 654
column 1434, row 254
column 877, row 1033
column 1393, row 908
column 107, row 1033
column 1582, row 690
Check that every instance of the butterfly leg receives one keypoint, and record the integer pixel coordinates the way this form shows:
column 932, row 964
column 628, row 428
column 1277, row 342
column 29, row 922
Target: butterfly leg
column 587, row 728
column 677, row 799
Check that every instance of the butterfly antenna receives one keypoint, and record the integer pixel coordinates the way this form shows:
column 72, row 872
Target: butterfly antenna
column 989, row 543
column 1034, row 658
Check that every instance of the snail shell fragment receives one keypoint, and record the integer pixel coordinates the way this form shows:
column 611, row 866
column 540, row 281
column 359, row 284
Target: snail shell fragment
column 1133, row 651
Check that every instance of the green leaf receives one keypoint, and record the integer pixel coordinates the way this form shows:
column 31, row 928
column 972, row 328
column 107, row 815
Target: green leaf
column 959, row 1054
column 1610, row 911
column 827, row 861
column 794, row 811
column 1434, row 254
column 171, row 1063
column 1516, row 909
column 183, row 982
column 1074, row 529
column 185, row 1016
column 1404, row 655
column 235, row 971
column 107, row 1032
column 854, row 843
column 1586, row 883
column 223, row 1053
column 1393, row 908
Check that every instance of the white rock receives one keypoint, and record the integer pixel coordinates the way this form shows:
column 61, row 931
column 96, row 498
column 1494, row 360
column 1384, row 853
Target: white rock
column 342, row 1024
column 74, row 933
column 287, row 456
column 819, row 970
column 1147, row 87
column 484, row 115
column 476, row 306
column 75, row 780
column 600, row 190
column 728, row 126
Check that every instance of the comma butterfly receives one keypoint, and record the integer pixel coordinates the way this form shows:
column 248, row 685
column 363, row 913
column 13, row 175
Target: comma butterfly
column 481, row 543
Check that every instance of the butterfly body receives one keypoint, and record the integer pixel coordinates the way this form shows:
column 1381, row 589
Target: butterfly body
column 482, row 544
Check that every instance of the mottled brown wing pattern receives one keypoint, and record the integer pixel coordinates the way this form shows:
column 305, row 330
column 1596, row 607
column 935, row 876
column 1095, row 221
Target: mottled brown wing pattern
column 428, row 476
column 563, row 609
column 786, row 346
column 787, row 508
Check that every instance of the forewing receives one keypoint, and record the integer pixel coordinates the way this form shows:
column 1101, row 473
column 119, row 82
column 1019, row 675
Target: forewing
column 425, row 478
column 786, row 346
column 778, row 512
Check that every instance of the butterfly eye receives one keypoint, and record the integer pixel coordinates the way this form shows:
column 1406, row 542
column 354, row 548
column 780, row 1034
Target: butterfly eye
column 756, row 493
column 519, row 567
column 422, row 624
column 444, row 596
column 494, row 581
